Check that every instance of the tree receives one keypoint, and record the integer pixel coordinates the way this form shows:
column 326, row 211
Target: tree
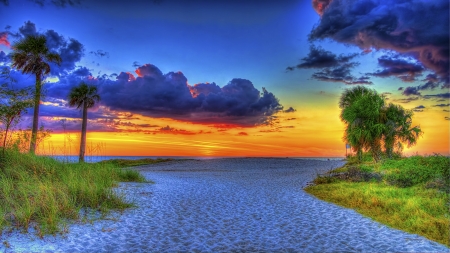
column 365, row 127
column 348, row 97
column 83, row 96
column 371, row 123
column 31, row 55
column 398, row 129
column 12, row 104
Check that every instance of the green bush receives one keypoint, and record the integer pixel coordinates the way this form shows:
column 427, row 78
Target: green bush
column 417, row 170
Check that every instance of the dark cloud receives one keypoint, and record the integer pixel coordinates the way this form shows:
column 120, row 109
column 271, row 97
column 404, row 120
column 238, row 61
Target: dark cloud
column 3, row 57
column 400, row 88
column 243, row 134
column 407, row 100
column 29, row 28
column 340, row 74
column 442, row 95
column 408, row 91
column 441, row 105
column 394, row 65
column 70, row 50
column 168, row 95
column 419, row 108
column 419, row 29
column 447, row 118
column 5, row 2
column 334, row 68
column 136, row 64
column 169, row 130
column 290, row 109
column 100, row 53
column 320, row 58
column 57, row 3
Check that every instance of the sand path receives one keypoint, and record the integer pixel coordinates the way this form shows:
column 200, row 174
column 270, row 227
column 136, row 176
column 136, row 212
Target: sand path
column 229, row 205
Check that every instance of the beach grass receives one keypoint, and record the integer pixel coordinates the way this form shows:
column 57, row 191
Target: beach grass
column 411, row 194
column 44, row 193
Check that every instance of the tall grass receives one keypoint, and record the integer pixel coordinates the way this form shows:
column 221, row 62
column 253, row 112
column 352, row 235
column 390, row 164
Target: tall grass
column 42, row 192
column 412, row 195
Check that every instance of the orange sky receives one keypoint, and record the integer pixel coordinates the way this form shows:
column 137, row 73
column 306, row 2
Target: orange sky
column 314, row 130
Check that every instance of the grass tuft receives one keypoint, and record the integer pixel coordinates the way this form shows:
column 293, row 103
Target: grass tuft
column 43, row 192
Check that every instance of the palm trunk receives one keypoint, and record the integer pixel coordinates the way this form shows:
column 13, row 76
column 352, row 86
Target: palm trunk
column 83, row 133
column 37, row 99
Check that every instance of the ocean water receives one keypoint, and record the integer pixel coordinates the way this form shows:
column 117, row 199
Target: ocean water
column 94, row 159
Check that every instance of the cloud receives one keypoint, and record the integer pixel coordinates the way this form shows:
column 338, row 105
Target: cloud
column 4, row 39
column 3, row 57
column 406, row 100
column 29, row 28
column 290, row 109
column 243, row 134
column 169, row 95
column 100, row 53
column 320, row 5
column 408, row 91
column 402, row 68
column 340, row 74
column 320, row 58
column 447, row 118
column 334, row 68
column 441, row 105
column 5, row 2
column 169, row 130
column 70, row 50
column 390, row 25
column 419, row 108
column 57, row 3
column 437, row 96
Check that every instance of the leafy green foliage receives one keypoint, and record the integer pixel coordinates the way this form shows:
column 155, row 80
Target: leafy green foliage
column 371, row 122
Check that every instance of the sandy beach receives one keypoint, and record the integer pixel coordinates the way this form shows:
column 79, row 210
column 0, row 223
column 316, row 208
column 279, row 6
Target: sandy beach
column 227, row 205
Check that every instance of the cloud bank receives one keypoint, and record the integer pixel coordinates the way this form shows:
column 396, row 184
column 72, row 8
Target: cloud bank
column 418, row 29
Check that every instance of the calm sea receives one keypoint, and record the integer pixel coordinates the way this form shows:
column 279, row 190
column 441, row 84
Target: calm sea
column 94, row 159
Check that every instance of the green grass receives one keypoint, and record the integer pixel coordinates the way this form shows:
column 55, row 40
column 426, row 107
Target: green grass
column 413, row 194
column 44, row 193
column 130, row 163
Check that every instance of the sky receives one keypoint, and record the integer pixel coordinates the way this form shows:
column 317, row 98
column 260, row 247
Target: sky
column 231, row 78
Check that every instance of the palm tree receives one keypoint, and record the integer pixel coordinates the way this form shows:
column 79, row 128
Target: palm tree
column 31, row 55
column 348, row 98
column 83, row 96
column 398, row 129
column 365, row 126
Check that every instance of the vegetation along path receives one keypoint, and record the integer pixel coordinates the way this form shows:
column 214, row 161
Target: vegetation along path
column 224, row 205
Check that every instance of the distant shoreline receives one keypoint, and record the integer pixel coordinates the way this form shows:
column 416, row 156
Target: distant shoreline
column 98, row 158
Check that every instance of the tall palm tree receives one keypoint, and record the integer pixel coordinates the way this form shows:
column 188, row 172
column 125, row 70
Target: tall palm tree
column 32, row 56
column 83, row 96
column 398, row 129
